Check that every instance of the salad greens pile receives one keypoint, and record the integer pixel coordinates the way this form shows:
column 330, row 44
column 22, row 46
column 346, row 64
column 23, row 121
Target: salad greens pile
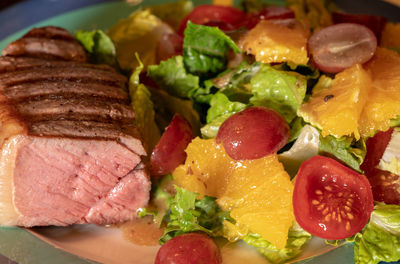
column 199, row 85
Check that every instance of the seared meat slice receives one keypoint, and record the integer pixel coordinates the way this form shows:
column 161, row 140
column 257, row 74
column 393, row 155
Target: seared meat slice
column 49, row 43
column 70, row 153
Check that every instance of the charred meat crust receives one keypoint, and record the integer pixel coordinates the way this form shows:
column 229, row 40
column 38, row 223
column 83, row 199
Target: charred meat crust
column 55, row 94
column 10, row 63
column 49, row 43
column 63, row 89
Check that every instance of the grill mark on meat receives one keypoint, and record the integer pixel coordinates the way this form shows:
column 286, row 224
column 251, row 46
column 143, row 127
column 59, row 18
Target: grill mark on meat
column 10, row 63
column 78, row 74
column 126, row 135
column 50, row 32
column 74, row 109
column 63, row 89
column 46, row 48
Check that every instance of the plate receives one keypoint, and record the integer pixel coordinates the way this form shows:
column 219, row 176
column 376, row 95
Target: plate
column 90, row 243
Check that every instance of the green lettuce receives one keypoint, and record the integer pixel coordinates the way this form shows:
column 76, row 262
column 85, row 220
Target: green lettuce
column 205, row 50
column 297, row 237
column 220, row 109
column 220, row 105
column 238, row 86
column 189, row 214
column 160, row 195
column 280, row 90
column 171, row 76
column 167, row 105
column 380, row 239
column 346, row 149
column 296, row 126
column 144, row 109
column 395, row 122
column 100, row 46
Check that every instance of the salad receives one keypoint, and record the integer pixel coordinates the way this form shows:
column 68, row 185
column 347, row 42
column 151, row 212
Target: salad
column 280, row 125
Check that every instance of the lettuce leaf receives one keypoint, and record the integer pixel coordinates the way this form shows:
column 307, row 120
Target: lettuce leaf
column 380, row 240
column 238, row 86
column 205, row 50
column 100, row 47
column 189, row 214
column 297, row 237
column 220, row 105
column 346, row 149
column 144, row 109
column 171, row 76
column 220, row 109
column 280, row 90
column 167, row 105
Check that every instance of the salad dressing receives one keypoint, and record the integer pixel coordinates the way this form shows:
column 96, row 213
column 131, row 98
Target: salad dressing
column 142, row 231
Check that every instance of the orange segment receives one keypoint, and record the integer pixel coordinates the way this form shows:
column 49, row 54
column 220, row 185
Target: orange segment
column 270, row 42
column 391, row 36
column 384, row 100
column 258, row 193
column 336, row 109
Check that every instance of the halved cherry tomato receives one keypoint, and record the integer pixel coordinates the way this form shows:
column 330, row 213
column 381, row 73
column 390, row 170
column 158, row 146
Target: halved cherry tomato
column 376, row 146
column 385, row 185
column 330, row 200
column 375, row 23
column 271, row 12
column 170, row 150
column 204, row 14
column 340, row 46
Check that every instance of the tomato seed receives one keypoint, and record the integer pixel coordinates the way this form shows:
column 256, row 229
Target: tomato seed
column 328, row 188
column 348, row 226
column 318, row 192
column 326, row 210
column 314, row 202
column 347, row 208
column 350, row 216
column 328, row 218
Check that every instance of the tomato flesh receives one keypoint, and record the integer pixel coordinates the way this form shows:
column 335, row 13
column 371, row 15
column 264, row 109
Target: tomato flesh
column 170, row 150
column 190, row 248
column 226, row 16
column 341, row 46
column 330, row 200
column 253, row 133
column 385, row 185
